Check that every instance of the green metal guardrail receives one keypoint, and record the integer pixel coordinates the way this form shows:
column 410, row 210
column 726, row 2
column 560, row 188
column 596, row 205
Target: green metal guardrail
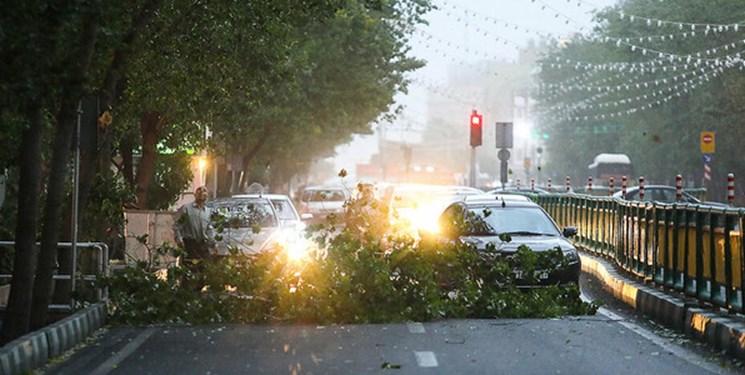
column 694, row 249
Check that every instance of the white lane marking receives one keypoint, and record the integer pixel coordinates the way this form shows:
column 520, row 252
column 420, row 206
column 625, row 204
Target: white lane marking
column 676, row 350
column 426, row 359
column 415, row 327
column 117, row 358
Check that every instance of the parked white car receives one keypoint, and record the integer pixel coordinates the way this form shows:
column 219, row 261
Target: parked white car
column 318, row 202
column 249, row 225
column 286, row 212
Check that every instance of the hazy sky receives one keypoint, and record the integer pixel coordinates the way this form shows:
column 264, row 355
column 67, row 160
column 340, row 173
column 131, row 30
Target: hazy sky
column 466, row 31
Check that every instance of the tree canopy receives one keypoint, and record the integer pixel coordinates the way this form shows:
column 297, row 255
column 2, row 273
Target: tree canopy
column 648, row 79
column 274, row 81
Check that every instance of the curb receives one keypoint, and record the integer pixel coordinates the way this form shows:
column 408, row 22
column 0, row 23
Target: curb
column 722, row 331
column 34, row 349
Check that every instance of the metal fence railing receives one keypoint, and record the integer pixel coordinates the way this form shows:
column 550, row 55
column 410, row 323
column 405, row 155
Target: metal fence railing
column 87, row 268
column 694, row 249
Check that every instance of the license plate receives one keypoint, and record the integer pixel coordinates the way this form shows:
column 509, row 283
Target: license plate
column 540, row 275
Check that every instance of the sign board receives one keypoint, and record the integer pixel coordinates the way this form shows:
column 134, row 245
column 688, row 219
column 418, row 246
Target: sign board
column 503, row 154
column 504, row 135
column 707, row 142
column 707, row 158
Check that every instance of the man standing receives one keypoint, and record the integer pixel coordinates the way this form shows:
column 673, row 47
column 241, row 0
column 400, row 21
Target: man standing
column 192, row 228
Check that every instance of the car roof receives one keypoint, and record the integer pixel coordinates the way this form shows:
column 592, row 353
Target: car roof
column 267, row 196
column 496, row 198
column 646, row 187
column 325, row 187
column 234, row 200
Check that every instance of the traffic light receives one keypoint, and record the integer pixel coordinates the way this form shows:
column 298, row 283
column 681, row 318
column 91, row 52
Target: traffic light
column 476, row 124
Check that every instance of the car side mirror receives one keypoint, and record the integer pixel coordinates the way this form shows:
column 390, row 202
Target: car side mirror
column 570, row 231
column 306, row 216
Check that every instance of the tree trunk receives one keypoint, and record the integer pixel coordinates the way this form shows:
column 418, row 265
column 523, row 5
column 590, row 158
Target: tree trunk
column 150, row 125
column 125, row 149
column 59, row 176
column 16, row 321
column 249, row 156
column 56, row 193
column 111, row 88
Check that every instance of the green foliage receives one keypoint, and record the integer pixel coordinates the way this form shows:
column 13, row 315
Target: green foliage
column 172, row 176
column 697, row 81
column 103, row 218
column 355, row 278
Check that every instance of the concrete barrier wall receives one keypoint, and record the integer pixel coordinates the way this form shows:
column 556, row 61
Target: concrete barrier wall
column 33, row 350
column 157, row 225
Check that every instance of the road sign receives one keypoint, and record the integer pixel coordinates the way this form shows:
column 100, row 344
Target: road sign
column 503, row 154
column 504, row 135
column 707, row 158
column 707, row 142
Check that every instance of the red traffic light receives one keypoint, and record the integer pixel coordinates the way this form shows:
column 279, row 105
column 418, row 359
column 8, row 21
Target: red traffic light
column 476, row 119
column 476, row 124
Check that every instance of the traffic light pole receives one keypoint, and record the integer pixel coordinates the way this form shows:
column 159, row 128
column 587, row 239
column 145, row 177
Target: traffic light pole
column 472, row 172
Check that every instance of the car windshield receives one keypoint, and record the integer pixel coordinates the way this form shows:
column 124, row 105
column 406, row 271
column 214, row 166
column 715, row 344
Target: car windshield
column 246, row 213
column 495, row 220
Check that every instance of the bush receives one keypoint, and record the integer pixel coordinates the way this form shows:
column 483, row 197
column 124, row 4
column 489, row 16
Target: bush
column 349, row 278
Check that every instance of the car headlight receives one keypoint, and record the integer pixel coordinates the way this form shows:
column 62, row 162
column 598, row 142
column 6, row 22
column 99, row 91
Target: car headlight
column 571, row 255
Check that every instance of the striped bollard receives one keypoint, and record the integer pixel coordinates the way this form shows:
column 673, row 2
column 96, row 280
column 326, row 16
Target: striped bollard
column 532, row 185
column 568, row 184
column 641, row 188
column 549, row 185
column 589, row 184
column 730, row 188
column 610, row 185
column 678, row 187
column 623, row 187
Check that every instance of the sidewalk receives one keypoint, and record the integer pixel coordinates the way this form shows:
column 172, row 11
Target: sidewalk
column 720, row 329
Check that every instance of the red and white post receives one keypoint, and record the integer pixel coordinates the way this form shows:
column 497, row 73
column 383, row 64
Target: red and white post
column 623, row 187
column 610, row 185
column 569, row 185
column 730, row 188
column 641, row 188
column 678, row 187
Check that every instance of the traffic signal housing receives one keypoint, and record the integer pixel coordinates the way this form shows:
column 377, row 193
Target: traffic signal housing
column 476, row 125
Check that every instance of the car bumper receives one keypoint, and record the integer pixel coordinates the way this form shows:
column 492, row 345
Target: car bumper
column 563, row 276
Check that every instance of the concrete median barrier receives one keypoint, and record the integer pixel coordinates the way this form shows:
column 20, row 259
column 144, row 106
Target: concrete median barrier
column 33, row 350
column 723, row 331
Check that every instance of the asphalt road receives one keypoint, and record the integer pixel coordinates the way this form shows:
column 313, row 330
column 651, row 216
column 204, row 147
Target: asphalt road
column 607, row 343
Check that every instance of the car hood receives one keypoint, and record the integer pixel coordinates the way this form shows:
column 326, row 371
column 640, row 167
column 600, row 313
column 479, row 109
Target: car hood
column 535, row 243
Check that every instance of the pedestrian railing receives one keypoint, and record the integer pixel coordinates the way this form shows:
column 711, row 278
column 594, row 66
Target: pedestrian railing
column 86, row 268
column 689, row 248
